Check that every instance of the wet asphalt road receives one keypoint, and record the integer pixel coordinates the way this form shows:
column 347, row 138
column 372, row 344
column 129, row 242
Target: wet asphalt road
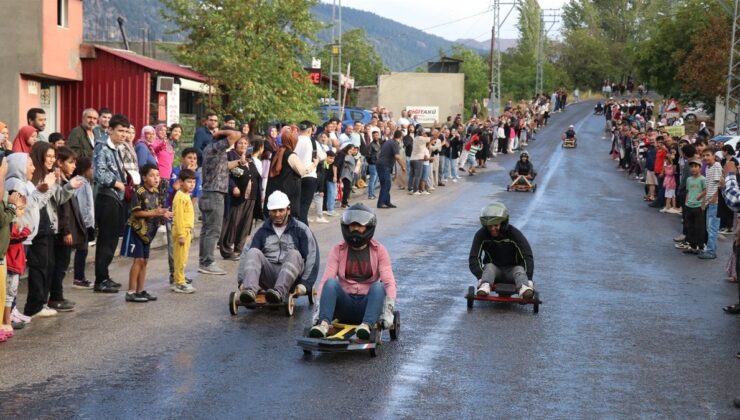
column 629, row 327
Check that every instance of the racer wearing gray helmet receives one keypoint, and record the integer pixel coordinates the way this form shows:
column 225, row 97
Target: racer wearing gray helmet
column 523, row 168
column 500, row 253
column 358, row 286
column 570, row 134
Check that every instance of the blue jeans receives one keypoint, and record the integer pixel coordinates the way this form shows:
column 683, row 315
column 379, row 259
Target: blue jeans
column 453, row 168
column 373, row 172
column 331, row 196
column 384, row 174
column 426, row 172
column 408, row 172
column 351, row 309
column 445, row 162
column 712, row 229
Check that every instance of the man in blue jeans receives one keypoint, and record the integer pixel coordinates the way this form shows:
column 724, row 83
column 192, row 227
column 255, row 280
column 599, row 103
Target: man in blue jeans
column 389, row 154
column 709, row 203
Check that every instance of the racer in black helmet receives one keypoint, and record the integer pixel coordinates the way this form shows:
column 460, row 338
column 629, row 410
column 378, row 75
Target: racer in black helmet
column 523, row 172
column 358, row 286
column 500, row 253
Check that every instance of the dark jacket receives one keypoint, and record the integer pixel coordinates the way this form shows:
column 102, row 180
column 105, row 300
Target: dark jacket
column 650, row 158
column 509, row 249
column 70, row 221
column 79, row 142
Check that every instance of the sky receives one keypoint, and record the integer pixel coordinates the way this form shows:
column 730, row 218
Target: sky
column 437, row 16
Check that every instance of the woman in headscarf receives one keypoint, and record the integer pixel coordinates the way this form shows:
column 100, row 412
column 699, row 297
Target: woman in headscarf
column 286, row 170
column 245, row 191
column 25, row 139
column 144, row 146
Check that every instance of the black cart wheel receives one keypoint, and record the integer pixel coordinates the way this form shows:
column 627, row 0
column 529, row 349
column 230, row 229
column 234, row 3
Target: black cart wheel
column 396, row 328
column 311, row 296
column 471, row 293
column 374, row 352
column 307, row 352
column 508, row 188
column 290, row 305
column 232, row 303
column 536, row 305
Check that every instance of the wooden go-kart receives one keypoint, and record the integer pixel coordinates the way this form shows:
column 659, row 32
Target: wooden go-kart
column 522, row 183
column 341, row 338
column 288, row 305
column 569, row 143
column 503, row 292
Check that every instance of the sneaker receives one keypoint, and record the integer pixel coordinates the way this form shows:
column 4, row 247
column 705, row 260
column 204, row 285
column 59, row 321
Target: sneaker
column 112, row 283
column 135, row 297
column 690, row 250
column 707, row 256
column 148, row 295
column 182, row 288
column 526, row 292
column 273, row 296
column 363, row 331
column 411, row 192
column 20, row 316
column 81, row 284
column 247, row 296
column 454, row 179
column 44, row 312
column 426, row 193
column 484, row 289
column 664, row 210
column 61, row 305
column 211, row 269
column 91, row 244
column 679, row 238
column 417, row 193
column 321, row 220
column 330, row 213
column 372, row 197
column 319, row 330
column 105, row 286
column 682, row 245
column 431, row 188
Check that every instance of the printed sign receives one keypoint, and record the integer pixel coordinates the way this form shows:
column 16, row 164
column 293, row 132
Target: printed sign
column 675, row 130
column 424, row 114
column 173, row 105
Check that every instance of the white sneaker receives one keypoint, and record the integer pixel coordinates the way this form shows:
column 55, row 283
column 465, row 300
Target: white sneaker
column 321, row 220
column 426, row 193
column 484, row 289
column 183, row 288
column 431, row 188
column 45, row 312
column 319, row 330
column 526, row 291
column 664, row 210
column 20, row 316
column 417, row 193
column 330, row 213
column 454, row 179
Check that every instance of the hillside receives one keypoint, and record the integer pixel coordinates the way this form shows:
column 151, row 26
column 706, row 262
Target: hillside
column 401, row 47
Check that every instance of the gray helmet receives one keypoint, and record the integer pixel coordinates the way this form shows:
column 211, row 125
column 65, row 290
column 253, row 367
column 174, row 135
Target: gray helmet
column 494, row 214
column 523, row 153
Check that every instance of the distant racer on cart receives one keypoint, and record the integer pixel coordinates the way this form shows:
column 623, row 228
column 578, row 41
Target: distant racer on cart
column 501, row 254
column 569, row 137
column 523, row 174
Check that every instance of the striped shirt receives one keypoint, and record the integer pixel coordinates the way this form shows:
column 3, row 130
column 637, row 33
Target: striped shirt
column 714, row 174
column 731, row 192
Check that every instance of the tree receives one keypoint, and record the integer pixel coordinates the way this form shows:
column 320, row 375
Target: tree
column 704, row 72
column 361, row 53
column 250, row 50
column 586, row 58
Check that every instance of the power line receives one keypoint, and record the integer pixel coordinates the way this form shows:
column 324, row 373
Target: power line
column 457, row 20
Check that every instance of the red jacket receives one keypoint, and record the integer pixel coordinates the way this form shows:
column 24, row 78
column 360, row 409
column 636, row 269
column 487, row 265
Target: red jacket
column 15, row 258
column 659, row 160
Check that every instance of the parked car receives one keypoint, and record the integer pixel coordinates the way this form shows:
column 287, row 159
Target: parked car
column 695, row 112
column 725, row 139
column 351, row 114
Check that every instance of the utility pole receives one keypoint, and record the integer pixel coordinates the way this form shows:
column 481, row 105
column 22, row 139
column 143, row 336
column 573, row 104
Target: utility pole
column 336, row 51
column 547, row 17
column 494, row 83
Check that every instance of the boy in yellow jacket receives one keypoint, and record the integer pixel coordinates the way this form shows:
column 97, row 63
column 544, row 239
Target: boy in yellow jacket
column 182, row 229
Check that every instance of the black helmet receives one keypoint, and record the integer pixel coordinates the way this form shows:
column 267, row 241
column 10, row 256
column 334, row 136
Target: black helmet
column 362, row 215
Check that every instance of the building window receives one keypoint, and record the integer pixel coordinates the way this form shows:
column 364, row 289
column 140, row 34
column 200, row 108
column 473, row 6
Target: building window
column 62, row 13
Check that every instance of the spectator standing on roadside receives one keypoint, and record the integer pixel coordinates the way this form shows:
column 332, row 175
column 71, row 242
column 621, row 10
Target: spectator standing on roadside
column 694, row 215
column 36, row 118
column 84, row 196
column 183, row 222
column 389, row 154
column 204, row 135
column 82, row 138
column 216, row 167
column 101, row 130
column 372, row 158
column 307, row 150
column 709, row 204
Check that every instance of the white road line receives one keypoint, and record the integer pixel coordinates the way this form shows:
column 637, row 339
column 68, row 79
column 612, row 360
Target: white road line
column 413, row 373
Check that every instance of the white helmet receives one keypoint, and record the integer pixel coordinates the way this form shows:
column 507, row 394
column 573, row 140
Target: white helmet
column 278, row 200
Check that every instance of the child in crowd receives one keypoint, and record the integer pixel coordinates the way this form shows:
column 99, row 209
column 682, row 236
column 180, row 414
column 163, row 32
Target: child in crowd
column 15, row 261
column 474, row 148
column 669, row 184
column 146, row 217
column 71, row 230
column 56, row 140
column 84, row 196
column 7, row 215
column 182, row 229
column 693, row 213
column 327, row 190
column 188, row 160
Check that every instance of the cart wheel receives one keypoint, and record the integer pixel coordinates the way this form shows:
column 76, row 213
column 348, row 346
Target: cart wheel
column 536, row 305
column 373, row 352
column 471, row 293
column 311, row 296
column 396, row 328
column 307, row 352
column 290, row 305
column 232, row 303
column 508, row 188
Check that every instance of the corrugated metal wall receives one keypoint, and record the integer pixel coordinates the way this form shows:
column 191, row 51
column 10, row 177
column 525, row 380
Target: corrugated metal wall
column 107, row 81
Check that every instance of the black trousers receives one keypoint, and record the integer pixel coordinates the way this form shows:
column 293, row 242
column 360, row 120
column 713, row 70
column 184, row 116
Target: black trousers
column 62, row 256
column 346, row 191
column 736, row 249
column 40, row 268
column 109, row 218
column 724, row 213
column 695, row 224
column 308, row 189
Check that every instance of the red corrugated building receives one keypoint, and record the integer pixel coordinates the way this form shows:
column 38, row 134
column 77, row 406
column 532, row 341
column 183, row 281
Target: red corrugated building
column 126, row 83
